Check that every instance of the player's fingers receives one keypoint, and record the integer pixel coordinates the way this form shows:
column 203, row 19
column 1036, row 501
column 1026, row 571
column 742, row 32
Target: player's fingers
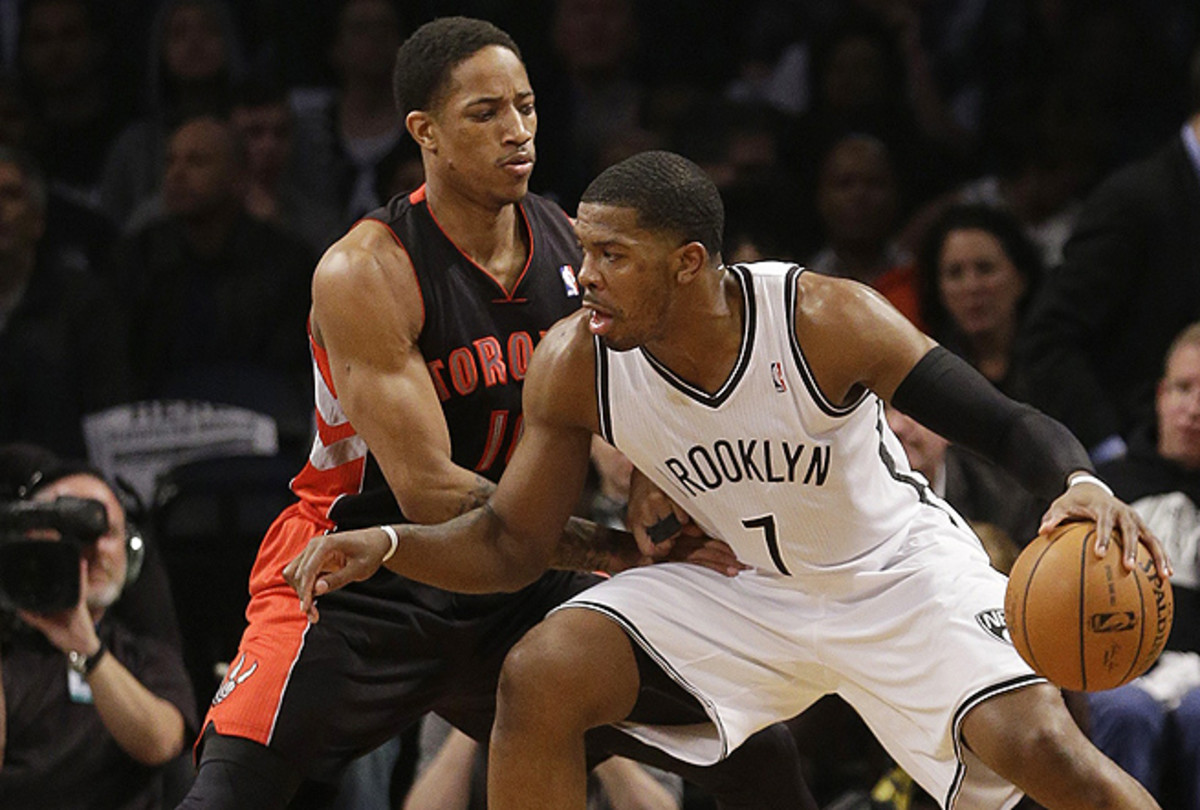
column 1104, row 532
column 1130, row 538
column 332, row 580
column 720, row 557
column 293, row 575
column 1053, row 516
column 713, row 554
column 1162, row 560
column 664, row 529
column 646, row 520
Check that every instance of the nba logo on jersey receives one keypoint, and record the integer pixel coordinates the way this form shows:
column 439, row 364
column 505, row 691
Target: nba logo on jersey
column 777, row 377
column 568, row 276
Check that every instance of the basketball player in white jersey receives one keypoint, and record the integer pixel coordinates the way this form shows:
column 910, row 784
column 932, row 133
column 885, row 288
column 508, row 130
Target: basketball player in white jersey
column 753, row 395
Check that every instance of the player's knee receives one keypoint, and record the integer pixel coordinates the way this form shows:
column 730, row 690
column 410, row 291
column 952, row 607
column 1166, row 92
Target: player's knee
column 548, row 677
column 1023, row 731
column 537, row 679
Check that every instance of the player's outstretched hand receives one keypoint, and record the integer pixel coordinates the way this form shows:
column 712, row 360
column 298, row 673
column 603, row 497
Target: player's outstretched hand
column 1088, row 500
column 332, row 561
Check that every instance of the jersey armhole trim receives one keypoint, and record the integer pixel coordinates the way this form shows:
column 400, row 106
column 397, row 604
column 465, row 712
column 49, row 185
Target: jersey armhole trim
column 602, row 391
column 810, row 381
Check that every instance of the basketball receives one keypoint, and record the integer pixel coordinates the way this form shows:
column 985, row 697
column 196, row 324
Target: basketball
column 1081, row 621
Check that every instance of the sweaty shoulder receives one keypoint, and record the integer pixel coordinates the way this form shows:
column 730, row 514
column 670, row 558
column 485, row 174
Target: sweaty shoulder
column 364, row 272
column 852, row 337
column 561, row 384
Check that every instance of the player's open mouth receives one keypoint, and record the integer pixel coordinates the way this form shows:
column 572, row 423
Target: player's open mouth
column 599, row 322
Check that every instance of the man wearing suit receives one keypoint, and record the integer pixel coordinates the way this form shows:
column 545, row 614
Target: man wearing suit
column 1129, row 282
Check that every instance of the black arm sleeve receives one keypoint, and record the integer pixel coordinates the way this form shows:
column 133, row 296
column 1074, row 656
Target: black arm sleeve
column 948, row 396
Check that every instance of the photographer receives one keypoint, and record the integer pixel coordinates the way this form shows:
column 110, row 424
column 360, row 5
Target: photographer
column 93, row 706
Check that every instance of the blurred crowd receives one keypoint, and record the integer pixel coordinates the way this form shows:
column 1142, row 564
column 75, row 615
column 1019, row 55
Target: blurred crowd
column 1011, row 174
column 188, row 160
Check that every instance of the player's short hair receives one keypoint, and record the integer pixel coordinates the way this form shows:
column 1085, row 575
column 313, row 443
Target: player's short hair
column 424, row 61
column 668, row 192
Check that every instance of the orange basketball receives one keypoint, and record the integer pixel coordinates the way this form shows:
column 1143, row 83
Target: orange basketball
column 1084, row 622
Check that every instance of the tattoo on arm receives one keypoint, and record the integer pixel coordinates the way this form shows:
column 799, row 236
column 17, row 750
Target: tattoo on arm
column 588, row 546
column 477, row 496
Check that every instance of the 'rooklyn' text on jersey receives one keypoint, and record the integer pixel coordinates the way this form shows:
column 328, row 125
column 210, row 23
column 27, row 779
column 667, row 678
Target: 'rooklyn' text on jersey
column 767, row 463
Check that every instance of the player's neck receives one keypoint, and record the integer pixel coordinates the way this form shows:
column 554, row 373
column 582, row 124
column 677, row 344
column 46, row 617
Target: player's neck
column 703, row 338
column 491, row 236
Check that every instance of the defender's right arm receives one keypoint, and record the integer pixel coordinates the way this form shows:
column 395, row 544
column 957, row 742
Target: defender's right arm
column 367, row 314
column 509, row 541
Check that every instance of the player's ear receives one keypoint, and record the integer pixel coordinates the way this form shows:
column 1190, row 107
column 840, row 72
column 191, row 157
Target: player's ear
column 689, row 260
column 420, row 126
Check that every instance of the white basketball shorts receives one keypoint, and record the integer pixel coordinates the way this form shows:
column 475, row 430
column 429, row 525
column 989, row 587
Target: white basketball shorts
column 912, row 635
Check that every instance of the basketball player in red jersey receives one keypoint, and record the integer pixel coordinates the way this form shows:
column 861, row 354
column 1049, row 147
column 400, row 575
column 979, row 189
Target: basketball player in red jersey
column 753, row 395
column 423, row 322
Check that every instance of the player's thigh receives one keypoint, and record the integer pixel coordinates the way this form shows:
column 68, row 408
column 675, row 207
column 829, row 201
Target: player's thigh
column 577, row 664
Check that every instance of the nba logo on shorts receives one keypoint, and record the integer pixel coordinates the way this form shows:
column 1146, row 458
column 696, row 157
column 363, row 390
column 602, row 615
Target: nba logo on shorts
column 568, row 276
column 993, row 622
column 777, row 377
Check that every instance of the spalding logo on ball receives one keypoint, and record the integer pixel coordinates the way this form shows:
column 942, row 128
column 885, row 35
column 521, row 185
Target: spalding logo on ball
column 1082, row 621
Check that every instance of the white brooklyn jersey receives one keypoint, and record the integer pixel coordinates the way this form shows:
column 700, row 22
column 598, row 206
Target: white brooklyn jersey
column 767, row 463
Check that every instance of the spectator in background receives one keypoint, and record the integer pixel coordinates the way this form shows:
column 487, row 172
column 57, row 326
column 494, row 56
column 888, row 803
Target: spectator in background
column 1037, row 173
column 858, row 201
column 75, row 230
column 77, row 111
column 93, row 708
column 1129, row 282
column 978, row 273
column 591, row 97
column 194, row 62
column 63, row 349
column 859, row 81
column 344, row 134
column 265, row 124
column 215, row 296
column 1151, row 727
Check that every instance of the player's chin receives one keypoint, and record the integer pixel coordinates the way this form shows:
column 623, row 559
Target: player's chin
column 513, row 192
column 618, row 343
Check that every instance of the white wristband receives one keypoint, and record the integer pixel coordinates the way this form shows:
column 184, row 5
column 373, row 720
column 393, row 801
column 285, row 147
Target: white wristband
column 1088, row 478
column 391, row 533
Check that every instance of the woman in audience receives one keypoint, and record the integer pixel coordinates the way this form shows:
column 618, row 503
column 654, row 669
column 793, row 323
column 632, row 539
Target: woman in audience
column 978, row 273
